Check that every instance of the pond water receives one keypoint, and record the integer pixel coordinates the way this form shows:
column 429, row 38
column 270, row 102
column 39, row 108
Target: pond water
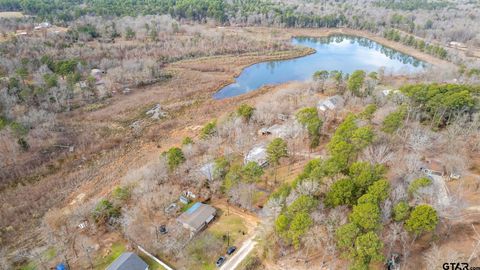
column 342, row 53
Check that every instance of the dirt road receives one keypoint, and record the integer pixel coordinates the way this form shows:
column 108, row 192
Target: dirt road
column 240, row 255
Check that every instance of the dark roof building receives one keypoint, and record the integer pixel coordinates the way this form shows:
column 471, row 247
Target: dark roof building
column 128, row 261
column 197, row 217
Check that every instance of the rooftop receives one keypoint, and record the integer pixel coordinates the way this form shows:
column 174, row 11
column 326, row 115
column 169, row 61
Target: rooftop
column 197, row 216
column 128, row 261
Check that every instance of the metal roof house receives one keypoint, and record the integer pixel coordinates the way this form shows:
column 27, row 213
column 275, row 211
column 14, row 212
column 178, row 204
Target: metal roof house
column 330, row 103
column 197, row 217
column 258, row 154
column 128, row 261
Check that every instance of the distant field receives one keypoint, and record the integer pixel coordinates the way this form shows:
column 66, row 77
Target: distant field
column 11, row 14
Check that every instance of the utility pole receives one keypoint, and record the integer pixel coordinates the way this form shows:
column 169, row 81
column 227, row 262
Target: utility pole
column 228, row 206
column 228, row 239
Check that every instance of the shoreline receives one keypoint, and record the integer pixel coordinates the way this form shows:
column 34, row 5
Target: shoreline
column 325, row 32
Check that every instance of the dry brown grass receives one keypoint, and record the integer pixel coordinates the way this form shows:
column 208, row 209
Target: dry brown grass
column 11, row 14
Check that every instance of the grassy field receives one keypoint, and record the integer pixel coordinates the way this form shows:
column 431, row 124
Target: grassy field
column 29, row 266
column 115, row 251
column 232, row 225
column 212, row 243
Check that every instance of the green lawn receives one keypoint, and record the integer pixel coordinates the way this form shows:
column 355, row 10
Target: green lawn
column 47, row 255
column 231, row 224
column 29, row 266
column 210, row 244
column 50, row 253
column 204, row 250
column 115, row 251
column 3, row 122
column 153, row 265
column 185, row 207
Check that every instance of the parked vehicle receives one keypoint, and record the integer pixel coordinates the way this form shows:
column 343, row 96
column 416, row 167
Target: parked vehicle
column 231, row 250
column 220, row 261
column 163, row 229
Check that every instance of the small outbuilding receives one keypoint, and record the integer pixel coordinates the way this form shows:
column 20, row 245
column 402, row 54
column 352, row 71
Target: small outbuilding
column 128, row 261
column 184, row 199
column 43, row 25
column 197, row 217
column 458, row 45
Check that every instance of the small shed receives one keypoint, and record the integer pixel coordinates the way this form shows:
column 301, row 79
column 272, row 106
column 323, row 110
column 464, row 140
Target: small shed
column 42, row 25
column 331, row 103
column 282, row 117
column 456, row 44
column 184, row 199
column 257, row 154
column 128, row 261
column 197, row 217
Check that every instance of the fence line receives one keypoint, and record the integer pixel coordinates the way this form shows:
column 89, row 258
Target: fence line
column 155, row 259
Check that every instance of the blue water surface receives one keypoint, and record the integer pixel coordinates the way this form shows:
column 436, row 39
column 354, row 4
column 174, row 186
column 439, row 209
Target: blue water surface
column 342, row 53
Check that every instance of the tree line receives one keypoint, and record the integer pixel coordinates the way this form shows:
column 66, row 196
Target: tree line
column 418, row 44
column 196, row 10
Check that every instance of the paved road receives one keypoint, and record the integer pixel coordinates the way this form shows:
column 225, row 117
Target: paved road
column 234, row 261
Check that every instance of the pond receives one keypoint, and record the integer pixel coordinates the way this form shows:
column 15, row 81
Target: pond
column 339, row 52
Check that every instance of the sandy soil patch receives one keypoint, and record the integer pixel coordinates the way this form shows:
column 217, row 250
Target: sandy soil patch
column 11, row 14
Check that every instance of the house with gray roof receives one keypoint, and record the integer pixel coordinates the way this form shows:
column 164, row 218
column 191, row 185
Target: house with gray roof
column 128, row 261
column 197, row 217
